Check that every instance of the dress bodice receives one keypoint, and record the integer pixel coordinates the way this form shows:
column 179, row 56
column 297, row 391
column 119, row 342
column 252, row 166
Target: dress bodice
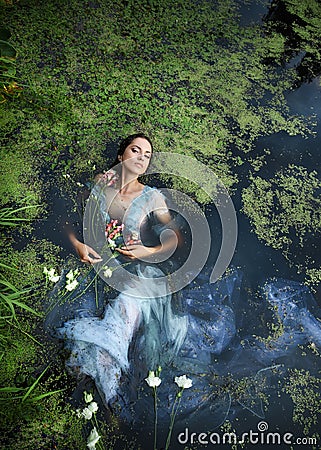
column 139, row 218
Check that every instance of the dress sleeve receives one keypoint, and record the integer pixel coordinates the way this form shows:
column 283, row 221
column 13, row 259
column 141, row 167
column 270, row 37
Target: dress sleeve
column 162, row 216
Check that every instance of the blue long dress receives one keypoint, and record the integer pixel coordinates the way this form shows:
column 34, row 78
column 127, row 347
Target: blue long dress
column 204, row 331
column 99, row 345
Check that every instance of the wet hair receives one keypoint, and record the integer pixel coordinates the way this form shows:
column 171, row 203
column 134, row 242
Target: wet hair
column 126, row 142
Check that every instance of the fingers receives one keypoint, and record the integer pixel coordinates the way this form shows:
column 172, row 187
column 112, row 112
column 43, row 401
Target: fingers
column 131, row 247
column 93, row 259
column 86, row 259
column 122, row 251
column 87, row 254
column 92, row 256
column 93, row 252
column 90, row 260
column 126, row 252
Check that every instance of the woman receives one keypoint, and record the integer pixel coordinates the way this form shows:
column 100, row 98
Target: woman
column 99, row 347
column 134, row 156
column 138, row 330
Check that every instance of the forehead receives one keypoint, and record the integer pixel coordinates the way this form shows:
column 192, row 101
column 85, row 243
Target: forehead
column 141, row 143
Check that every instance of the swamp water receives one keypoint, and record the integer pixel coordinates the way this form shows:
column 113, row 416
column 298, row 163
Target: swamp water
column 255, row 263
column 235, row 370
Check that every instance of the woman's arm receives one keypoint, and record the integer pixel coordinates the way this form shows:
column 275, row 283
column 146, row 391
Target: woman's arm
column 153, row 254
column 84, row 251
column 159, row 252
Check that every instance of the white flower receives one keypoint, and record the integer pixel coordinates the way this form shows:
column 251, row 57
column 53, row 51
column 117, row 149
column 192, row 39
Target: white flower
column 70, row 286
column 135, row 236
column 108, row 272
column 93, row 407
column 51, row 274
column 153, row 381
column 70, row 275
column 111, row 242
column 54, row 278
column 93, row 438
column 88, row 397
column 79, row 413
column 87, row 414
column 183, row 382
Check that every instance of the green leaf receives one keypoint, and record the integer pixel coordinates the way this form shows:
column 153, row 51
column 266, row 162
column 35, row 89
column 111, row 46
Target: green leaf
column 7, row 50
column 33, row 386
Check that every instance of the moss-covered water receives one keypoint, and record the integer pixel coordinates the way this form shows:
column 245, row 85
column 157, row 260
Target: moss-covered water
column 201, row 80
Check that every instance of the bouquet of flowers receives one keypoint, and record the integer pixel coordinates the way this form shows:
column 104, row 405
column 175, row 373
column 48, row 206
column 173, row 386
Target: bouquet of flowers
column 115, row 238
column 114, row 234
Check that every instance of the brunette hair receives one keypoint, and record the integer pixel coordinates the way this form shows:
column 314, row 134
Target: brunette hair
column 126, row 142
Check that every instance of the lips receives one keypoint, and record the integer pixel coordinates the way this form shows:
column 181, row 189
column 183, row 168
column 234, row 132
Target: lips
column 139, row 165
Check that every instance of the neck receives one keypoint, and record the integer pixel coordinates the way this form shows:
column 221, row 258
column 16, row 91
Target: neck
column 128, row 184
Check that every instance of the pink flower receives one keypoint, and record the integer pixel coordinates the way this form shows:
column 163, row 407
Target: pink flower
column 113, row 231
column 109, row 177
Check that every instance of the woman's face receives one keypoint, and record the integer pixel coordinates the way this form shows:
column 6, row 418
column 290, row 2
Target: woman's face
column 136, row 156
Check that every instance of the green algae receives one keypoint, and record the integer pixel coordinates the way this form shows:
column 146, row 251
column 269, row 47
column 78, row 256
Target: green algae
column 304, row 390
column 285, row 212
column 28, row 263
column 190, row 77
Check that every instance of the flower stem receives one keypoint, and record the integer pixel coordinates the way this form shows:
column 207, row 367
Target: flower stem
column 173, row 415
column 94, row 422
column 156, row 418
column 96, row 292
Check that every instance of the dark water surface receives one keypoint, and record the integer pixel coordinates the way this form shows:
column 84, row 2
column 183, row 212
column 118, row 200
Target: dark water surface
column 255, row 260
column 259, row 260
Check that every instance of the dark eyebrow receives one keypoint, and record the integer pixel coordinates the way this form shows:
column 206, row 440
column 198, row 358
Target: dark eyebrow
column 147, row 151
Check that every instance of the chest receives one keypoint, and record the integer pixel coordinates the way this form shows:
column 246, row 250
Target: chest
column 130, row 209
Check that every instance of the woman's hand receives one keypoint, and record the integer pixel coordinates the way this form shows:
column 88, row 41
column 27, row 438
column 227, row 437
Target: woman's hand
column 159, row 253
column 86, row 253
column 138, row 251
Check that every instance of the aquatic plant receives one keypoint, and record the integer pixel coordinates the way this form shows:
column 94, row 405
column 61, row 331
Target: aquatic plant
column 285, row 210
column 25, row 394
column 11, row 299
column 191, row 77
column 304, row 390
column 9, row 217
column 189, row 72
column 298, row 22
column 153, row 380
column 183, row 383
column 9, row 87
column 89, row 413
